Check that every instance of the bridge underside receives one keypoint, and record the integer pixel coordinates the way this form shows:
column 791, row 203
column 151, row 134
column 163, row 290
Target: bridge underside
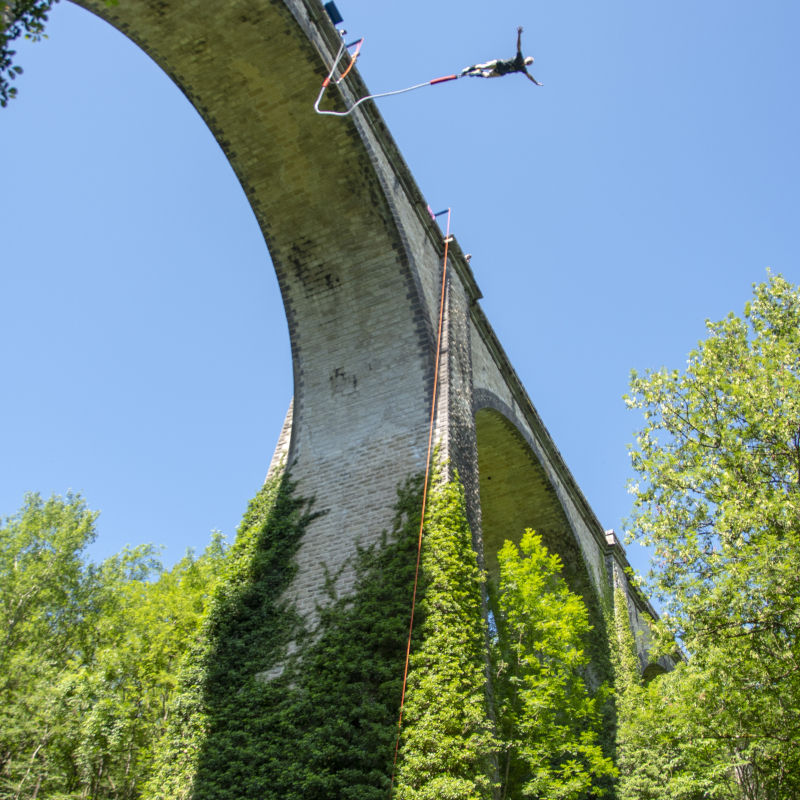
column 515, row 492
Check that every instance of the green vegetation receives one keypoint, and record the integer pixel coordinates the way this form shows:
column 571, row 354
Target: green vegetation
column 719, row 463
column 268, row 710
column 245, row 631
column 18, row 18
column 551, row 723
column 448, row 748
column 125, row 680
column 88, row 653
column 659, row 755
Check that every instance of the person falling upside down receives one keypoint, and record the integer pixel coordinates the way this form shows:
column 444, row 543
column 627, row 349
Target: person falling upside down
column 503, row 66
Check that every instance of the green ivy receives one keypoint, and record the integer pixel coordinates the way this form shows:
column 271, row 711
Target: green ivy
column 340, row 727
column 448, row 746
column 326, row 726
column 216, row 738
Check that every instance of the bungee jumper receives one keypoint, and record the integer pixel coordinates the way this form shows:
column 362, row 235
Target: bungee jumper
column 491, row 69
column 503, row 66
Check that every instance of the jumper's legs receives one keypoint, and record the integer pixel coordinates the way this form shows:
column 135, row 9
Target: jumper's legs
column 478, row 69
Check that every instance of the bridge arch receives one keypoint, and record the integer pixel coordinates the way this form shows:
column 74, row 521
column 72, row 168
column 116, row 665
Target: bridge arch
column 359, row 264
column 357, row 258
column 516, row 492
column 653, row 670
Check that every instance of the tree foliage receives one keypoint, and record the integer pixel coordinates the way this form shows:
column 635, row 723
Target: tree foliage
column 660, row 755
column 18, row 18
column 549, row 719
column 21, row 18
column 125, row 680
column 719, row 500
column 89, row 653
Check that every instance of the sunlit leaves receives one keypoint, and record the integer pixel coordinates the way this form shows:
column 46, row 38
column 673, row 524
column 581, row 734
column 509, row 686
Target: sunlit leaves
column 90, row 653
column 448, row 745
column 718, row 498
column 550, row 720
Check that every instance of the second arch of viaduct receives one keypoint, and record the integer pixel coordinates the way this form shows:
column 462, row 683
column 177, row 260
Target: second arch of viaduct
column 359, row 263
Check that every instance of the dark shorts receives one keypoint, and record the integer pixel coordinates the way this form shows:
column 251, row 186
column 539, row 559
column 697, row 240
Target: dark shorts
column 505, row 66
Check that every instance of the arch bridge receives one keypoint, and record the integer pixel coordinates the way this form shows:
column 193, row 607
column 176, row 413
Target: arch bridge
column 359, row 263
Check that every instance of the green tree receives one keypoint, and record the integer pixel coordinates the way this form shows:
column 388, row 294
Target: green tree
column 47, row 603
column 45, row 586
column 123, row 693
column 18, row 18
column 660, row 753
column 89, row 653
column 550, row 721
column 718, row 499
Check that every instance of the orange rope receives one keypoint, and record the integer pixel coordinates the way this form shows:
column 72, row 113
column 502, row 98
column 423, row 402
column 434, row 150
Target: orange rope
column 353, row 60
column 350, row 66
column 424, row 500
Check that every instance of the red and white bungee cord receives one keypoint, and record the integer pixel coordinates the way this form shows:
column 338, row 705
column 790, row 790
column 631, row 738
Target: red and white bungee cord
column 355, row 105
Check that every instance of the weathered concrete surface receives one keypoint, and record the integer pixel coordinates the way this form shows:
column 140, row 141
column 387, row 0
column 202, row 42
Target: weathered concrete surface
column 281, row 454
column 359, row 264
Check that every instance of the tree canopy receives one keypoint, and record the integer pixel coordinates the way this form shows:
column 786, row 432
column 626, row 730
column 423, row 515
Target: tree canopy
column 21, row 18
column 89, row 653
column 718, row 499
column 549, row 718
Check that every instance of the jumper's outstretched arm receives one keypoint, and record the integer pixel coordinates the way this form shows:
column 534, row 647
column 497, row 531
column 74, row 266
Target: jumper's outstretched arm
column 531, row 78
column 519, row 39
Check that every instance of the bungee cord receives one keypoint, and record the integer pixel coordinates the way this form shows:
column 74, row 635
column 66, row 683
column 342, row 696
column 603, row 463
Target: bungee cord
column 353, row 58
column 447, row 240
column 355, row 105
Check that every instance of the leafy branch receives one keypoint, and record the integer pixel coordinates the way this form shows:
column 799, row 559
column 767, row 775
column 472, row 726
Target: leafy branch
column 26, row 19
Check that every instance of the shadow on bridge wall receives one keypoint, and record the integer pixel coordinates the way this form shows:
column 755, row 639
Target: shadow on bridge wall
column 516, row 494
column 653, row 671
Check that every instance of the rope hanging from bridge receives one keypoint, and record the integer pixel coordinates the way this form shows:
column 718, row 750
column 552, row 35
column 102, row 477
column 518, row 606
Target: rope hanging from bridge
column 355, row 105
column 447, row 240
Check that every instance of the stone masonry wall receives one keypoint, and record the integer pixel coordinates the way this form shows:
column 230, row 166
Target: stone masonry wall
column 359, row 265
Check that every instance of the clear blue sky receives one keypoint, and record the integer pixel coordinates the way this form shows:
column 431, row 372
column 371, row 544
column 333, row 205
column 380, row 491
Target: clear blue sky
column 144, row 350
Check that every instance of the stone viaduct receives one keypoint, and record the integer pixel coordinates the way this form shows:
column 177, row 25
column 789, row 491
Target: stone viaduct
column 359, row 262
